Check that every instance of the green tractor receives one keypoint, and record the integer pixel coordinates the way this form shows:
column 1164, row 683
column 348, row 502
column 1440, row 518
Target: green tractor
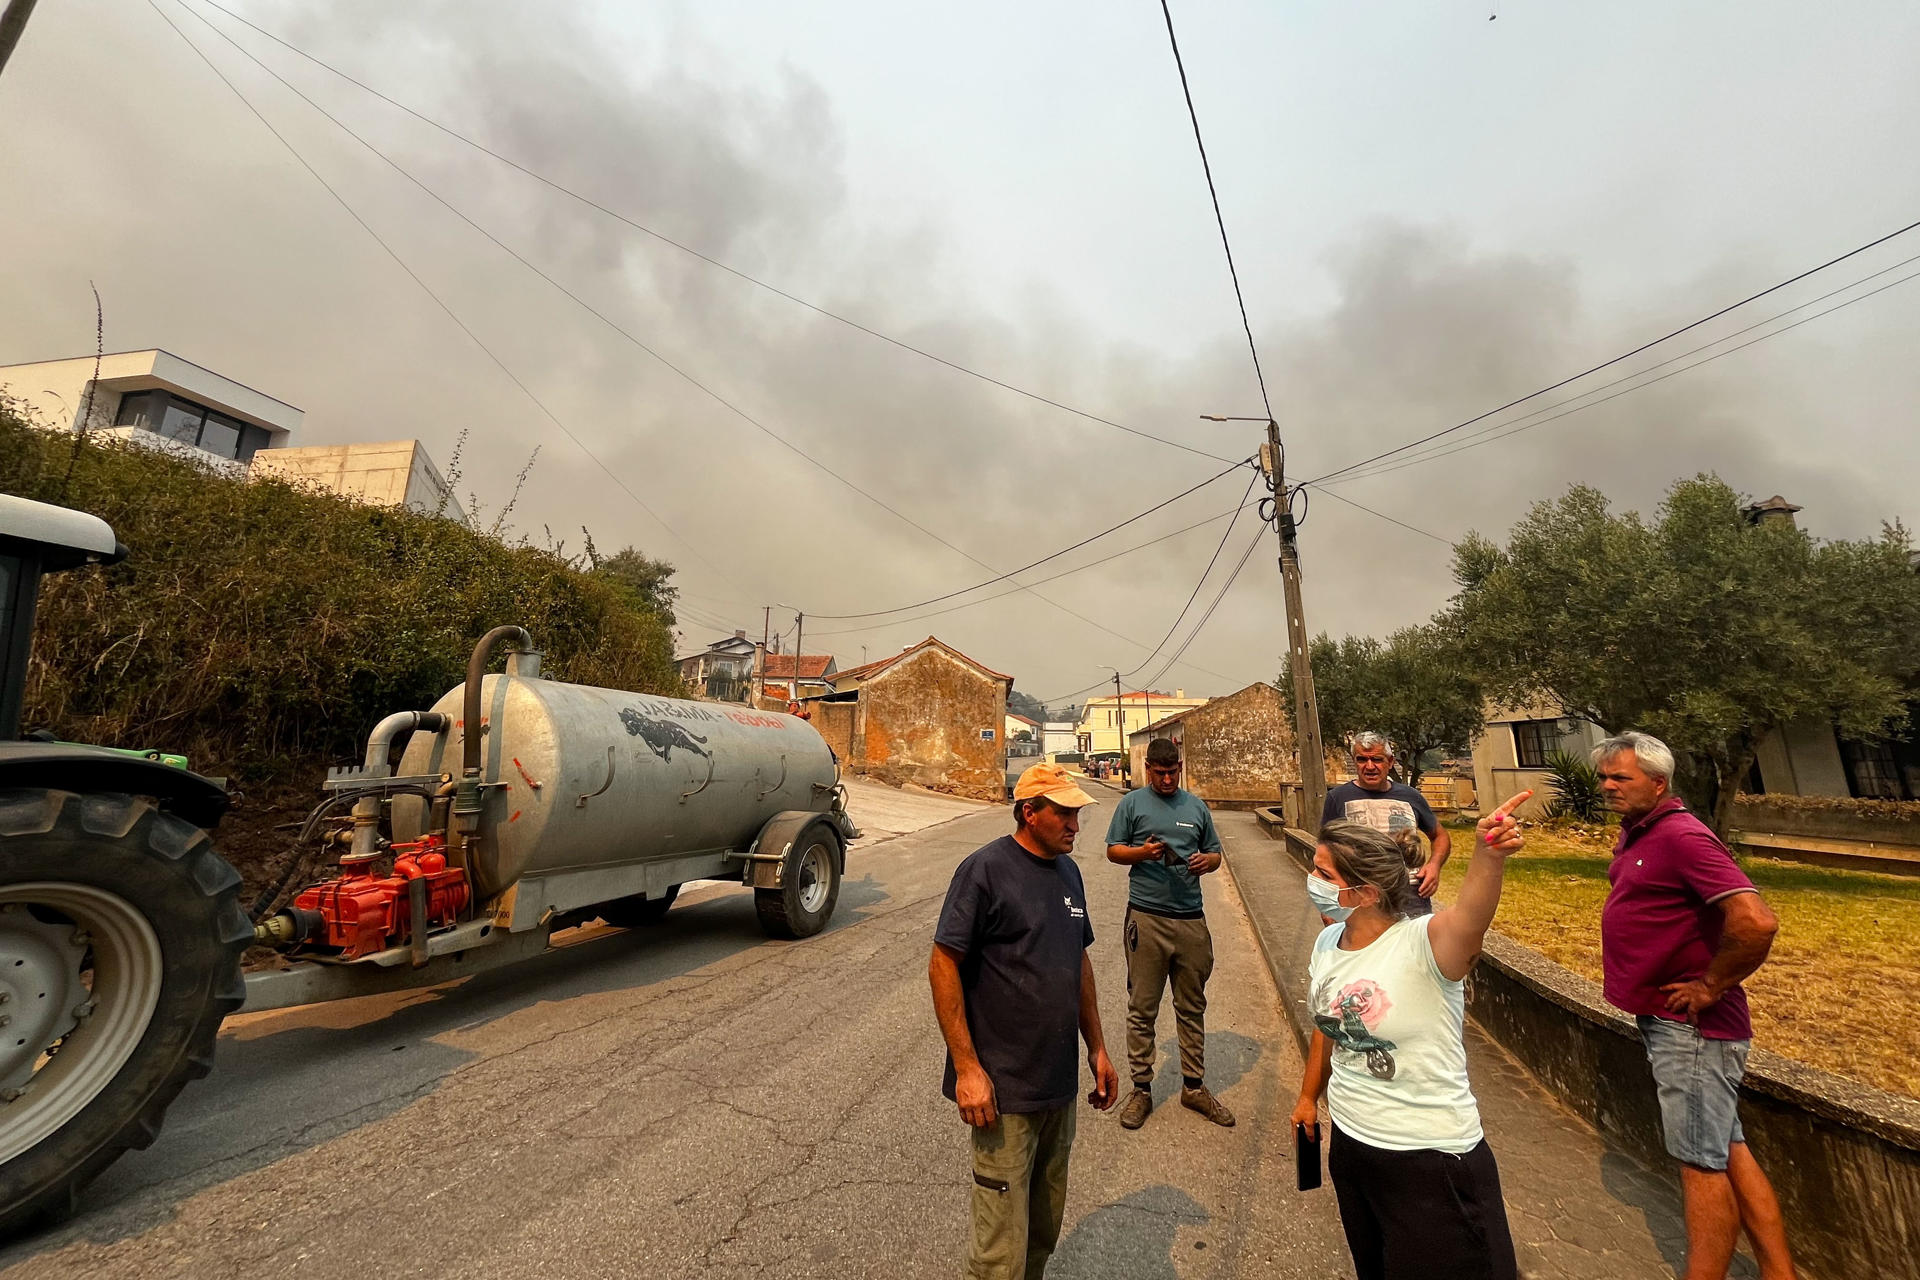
column 121, row 929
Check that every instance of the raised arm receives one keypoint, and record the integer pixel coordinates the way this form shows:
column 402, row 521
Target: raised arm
column 972, row 1087
column 1457, row 933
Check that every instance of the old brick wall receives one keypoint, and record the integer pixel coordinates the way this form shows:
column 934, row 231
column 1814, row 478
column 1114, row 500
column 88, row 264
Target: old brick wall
column 834, row 720
column 1239, row 747
column 923, row 721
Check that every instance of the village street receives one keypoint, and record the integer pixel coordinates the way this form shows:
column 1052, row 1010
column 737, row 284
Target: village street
column 694, row 1100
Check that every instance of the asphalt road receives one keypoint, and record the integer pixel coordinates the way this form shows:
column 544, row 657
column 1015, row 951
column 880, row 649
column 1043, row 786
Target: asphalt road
column 692, row 1101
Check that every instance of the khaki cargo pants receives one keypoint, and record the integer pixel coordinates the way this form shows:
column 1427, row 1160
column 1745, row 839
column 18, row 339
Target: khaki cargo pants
column 1019, row 1194
column 1159, row 949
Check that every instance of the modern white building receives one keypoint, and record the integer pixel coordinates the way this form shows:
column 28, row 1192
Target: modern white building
column 157, row 399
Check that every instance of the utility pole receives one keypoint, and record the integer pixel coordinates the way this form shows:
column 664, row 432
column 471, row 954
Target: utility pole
column 12, row 23
column 766, row 638
column 1306, row 707
column 799, row 650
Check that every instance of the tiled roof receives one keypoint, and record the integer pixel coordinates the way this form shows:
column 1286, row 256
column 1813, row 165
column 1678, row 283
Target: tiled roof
column 813, row 666
column 871, row 669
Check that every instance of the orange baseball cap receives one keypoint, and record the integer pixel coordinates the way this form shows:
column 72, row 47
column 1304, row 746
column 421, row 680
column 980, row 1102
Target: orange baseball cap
column 1051, row 782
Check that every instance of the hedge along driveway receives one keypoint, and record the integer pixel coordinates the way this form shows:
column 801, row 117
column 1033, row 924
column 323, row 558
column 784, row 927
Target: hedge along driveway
column 1838, row 991
column 261, row 627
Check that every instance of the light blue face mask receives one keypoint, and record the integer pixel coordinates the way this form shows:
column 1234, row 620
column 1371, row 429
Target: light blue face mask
column 1326, row 898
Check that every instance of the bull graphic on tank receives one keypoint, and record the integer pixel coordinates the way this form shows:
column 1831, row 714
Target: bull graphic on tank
column 662, row 736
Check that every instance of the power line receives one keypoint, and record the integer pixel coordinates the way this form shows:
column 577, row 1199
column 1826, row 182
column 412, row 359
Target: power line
column 426, row 288
column 1383, row 515
column 1499, row 430
column 1207, row 617
column 1218, row 217
column 1064, row 573
column 1204, row 573
column 1645, row 346
column 987, row 582
column 735, row 409
column 711, row 261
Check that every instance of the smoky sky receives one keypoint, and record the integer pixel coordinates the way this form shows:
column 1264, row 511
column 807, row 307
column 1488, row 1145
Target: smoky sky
column 1021, row 225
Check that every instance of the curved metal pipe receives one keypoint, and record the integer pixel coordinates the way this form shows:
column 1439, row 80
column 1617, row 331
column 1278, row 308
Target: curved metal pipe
column 366, row 811
column 476, row 672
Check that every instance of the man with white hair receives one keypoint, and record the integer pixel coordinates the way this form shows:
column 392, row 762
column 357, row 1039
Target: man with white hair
column 1683, row 926
column 1389, row 807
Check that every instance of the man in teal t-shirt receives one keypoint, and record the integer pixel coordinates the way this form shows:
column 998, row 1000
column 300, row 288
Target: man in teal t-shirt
column 1166, row 837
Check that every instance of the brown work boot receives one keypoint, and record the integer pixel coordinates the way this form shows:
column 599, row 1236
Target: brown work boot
column 1135, row 1110
column 1203, row 1101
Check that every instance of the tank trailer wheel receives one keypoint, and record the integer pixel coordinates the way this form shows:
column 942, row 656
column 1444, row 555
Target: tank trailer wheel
column 809, row 888
column 639, row 911
column 120, row 941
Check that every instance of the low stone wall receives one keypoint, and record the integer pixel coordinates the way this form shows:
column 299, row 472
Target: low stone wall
column 1884, row 822
column 1843, row 1157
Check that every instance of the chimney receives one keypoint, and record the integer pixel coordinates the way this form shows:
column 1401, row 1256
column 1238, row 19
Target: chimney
column 1179, row 693
column 739, row 635
column 1774, row 508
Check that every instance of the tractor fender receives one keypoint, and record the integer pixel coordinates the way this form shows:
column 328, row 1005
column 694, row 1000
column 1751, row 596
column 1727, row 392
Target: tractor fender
column 64, row 766
column 767, row 858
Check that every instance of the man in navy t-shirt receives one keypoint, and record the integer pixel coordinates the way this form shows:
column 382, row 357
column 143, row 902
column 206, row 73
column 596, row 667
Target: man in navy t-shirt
column 1389, row 807
column 1012, row 986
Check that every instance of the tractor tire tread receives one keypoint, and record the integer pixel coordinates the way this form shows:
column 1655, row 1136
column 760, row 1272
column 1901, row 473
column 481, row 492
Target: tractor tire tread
column 87, row 818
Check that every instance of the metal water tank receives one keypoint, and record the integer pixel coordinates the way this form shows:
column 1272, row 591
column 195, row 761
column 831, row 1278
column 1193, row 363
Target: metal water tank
column 591, row 777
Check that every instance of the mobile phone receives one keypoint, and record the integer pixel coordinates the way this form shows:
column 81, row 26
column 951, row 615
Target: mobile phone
column 1306, row 1155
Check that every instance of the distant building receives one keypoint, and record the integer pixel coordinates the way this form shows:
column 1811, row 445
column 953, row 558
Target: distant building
column 1510, row 755
column 928, row 715
column 723, row 670
column 1107, row 723
column 812, row 674
column 1234, row 751
column 155, row 398
column 1057, row 736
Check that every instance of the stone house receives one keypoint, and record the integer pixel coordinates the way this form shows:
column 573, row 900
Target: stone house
column 1235, row 751
column 723, row 670
column 928, row 715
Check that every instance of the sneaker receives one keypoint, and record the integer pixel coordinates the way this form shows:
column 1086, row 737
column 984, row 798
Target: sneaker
column 1203, row 1101
column 1135, row 1110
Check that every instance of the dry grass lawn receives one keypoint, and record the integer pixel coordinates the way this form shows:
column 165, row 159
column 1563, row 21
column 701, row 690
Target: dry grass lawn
column 1839, row 990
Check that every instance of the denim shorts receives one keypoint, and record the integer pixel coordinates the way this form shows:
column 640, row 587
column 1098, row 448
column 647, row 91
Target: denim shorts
column 1699, row 1089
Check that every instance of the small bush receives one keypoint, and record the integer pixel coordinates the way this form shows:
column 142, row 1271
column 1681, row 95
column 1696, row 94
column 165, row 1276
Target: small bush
column 258, row 626
column 1860, row 807
column 1575, row 784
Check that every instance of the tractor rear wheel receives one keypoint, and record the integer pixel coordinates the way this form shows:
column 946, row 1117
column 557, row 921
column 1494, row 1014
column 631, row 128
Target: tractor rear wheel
column 809, row 887
column 120, row 941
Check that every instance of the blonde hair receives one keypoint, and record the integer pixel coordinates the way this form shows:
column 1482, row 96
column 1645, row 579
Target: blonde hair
column 1408, row 838
column 1365, row 856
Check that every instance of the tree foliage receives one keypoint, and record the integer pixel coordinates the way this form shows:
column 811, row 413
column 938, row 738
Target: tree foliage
column 1699, row 627
column 1418, row 687
column 1025, row 704
column 261, row 626
column 646, row 583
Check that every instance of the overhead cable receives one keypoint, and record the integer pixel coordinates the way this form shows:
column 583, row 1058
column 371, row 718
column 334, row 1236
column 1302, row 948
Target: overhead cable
column 1608, row 364
column 427, row 289
column 595, row 205
column 1201, row 582
column 1219, row 218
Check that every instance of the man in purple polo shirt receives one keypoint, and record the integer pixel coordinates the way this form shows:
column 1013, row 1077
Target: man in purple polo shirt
column 1681, row 929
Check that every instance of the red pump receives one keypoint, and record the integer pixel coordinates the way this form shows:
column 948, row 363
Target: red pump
column 362, row 913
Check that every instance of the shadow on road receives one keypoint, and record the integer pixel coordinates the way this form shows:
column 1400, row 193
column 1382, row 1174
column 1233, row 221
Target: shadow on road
column 1230, row 1056
column 288, row 1081
column 1134, row 1238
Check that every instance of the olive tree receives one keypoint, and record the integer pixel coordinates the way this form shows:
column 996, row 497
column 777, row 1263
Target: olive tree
column 1702, row 627
column 1418, row 687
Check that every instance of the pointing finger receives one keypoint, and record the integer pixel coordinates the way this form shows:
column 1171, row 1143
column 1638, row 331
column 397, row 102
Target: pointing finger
column 1513, row 802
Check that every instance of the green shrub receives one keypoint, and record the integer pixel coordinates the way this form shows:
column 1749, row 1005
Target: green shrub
column 1575, row 785
column 258, row 624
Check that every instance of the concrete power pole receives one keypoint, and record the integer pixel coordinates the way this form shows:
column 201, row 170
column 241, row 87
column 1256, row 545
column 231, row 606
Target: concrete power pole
column 1306, row 707
column 766, row 638
column 12, row 23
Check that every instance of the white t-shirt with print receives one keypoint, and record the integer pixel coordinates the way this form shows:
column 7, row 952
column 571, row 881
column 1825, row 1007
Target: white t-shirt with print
column 1397, row 1025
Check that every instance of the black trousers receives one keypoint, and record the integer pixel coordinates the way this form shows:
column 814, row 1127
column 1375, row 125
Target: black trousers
column 1421, row 1215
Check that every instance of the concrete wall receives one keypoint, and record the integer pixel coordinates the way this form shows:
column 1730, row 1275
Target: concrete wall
column 1803, row 759
column 1843, row 1157
column 1496, row 767
column 835, row 722
column 921, row 721
column 1236, row 748
column 393, row 473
